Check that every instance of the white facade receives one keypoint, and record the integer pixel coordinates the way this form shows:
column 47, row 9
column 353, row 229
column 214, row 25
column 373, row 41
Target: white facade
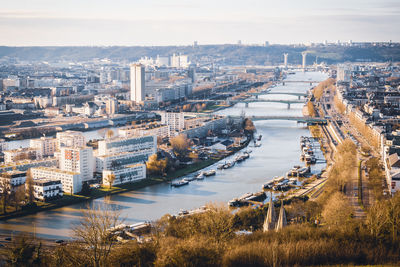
column 70, row 139
column 79, row 160
column 26, row 164
column 71, row 181
column 46, row 145
column 111, row 106
column 45, row 189
column 3, row 145
column 343, row 73
column 108, row 162
column 14, row 155
column 12, row 179
column 126, row 174
column 175, row 121
column 157, row 130
column 137, row 83
column 147, row 144
column 179, row 61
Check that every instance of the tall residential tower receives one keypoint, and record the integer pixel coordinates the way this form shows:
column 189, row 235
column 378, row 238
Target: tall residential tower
column 137, row 82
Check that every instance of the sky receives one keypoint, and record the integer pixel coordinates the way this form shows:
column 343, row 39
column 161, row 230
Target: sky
column 181, row 22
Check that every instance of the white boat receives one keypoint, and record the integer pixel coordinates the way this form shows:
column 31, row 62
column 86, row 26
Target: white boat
column 210, row 173
column 200, row 176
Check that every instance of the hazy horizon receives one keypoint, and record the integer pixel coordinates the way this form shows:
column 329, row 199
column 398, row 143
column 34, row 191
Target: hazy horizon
column 170, row 23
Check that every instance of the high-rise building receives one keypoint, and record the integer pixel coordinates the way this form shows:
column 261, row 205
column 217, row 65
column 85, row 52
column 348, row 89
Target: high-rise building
column 78, row 159
column 343, row 73
column 70, row 139
column 175, row 121
column 3, row 145
column 137, row 83
column 111, row 106
column 46, row 145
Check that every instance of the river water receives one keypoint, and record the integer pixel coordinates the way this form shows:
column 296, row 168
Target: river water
column 279, row 152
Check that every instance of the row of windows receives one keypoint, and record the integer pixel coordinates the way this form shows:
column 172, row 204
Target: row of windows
column 129, row 142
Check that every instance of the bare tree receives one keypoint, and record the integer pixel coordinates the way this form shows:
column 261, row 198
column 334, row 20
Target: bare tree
column 337, row 210
column 29, row 187
column 376, row 219
column 5, row 193
column 95, row 235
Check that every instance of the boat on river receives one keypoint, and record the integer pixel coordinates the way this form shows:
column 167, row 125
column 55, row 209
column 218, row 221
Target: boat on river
column 200, row 176
column 179, row 183
column 229, row 165
column 189, row 179
column 210, row 173
column 246, row 199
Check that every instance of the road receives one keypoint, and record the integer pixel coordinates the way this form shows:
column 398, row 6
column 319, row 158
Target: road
column 346, row 130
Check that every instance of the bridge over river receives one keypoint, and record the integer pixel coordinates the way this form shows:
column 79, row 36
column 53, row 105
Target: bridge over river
column 308, row 120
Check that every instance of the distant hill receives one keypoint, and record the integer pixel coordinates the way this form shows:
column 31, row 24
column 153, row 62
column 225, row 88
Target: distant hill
column 228, row 54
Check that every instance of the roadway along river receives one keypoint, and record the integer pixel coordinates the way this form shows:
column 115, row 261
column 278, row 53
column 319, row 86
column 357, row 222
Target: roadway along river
column 280, row 150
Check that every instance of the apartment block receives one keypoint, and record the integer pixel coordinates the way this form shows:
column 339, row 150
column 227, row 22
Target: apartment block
column 19, row 154
column 71, row 181
column 140, row 144
column 46, row 145
column 46, row 189
column 70, row 139
column 126, row 174
column 79, row 160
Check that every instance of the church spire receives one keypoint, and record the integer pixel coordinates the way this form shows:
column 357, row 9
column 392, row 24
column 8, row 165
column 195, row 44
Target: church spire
column 282, row 222
column 269, row 223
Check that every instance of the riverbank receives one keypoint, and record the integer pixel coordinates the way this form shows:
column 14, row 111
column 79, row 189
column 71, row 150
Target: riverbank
column 95, row 193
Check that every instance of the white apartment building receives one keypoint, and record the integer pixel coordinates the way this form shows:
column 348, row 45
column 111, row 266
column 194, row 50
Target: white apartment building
column 147, row 144
column 108, row 162
column 26, row 164
column 111, row 106
column 12, row 179
column 179, row 61
column 343, row 73
column 126, row 174
column 46, row 145
column 70, row 139
column 152, row 129
column 71, row 181
column 45, row 189
column 175, row 121
column 137, row 83
column 3, row 145
column 79, row 160
column 19, row 154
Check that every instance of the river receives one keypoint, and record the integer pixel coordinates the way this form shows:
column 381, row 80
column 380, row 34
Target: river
column 279, row 152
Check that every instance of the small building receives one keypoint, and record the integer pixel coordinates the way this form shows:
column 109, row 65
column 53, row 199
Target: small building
column 46, row 189
column 12, row 179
